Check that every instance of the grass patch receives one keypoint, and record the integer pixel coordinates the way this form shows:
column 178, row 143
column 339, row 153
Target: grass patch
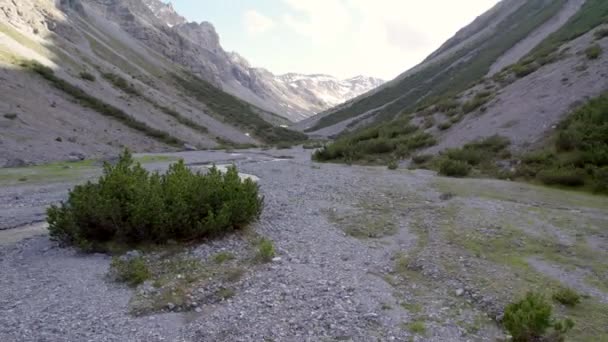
column 98, row 105
column 593, row 52
column 132, row 271
column 265, row 250
column 476, row 102
column 566, row 296
column 223, row 257
column 417, row 327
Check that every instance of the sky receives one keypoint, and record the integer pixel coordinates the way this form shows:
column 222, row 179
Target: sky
column 343, row 38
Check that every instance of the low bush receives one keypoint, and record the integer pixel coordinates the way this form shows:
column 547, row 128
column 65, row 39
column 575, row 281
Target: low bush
column 393, row 165
column 422, row 158
column 594, row 51
column 522, row 70
column 479, row 100
column 454, row 168
column 130, row 270
column 87, row 76
column 10, row 116
column 531, row 318
column 567, row 296
column 565, row 177
column 131, row 206
column 444, row 126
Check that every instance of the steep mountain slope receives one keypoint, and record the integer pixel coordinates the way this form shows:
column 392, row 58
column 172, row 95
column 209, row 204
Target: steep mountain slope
column 99, row 84
column 496, row 39
column 230, row 71
column 550, row 59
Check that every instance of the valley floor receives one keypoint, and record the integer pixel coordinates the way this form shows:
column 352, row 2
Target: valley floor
column 363, row 254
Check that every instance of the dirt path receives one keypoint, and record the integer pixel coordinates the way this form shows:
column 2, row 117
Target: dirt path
column 363, row 254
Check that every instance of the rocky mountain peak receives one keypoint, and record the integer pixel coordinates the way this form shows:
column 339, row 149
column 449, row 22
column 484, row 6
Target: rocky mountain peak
column 165, row 12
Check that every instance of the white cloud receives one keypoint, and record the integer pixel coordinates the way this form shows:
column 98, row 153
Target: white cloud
column 257, row 23
column 374, row 37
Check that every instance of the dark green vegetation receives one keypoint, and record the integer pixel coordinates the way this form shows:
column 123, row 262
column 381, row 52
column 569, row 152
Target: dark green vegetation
column 235, row 111
column 592, row 14
column 392, row 140
column 577, row 153
column 531, row 318
column 415, row 89
column 120, row 83
column 87, row 76
column 567, row 296
column 454, row 168
column 265, row 250
column 133, row 271
column 98, row 105
column 477, row 101
column 594, row 51
column 479, row 156
column 128, row 205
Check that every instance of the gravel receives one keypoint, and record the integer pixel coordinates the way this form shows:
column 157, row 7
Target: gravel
column 323, row 285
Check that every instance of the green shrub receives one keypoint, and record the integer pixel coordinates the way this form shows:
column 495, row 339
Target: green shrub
column 87, row 76
column 567, row 296
column 422, row 158
column 10, row 116
column 266, row 250
column 444, row 126
column 522, row 70
column 132, row 271
column 393, row 165
column 593, row 52
column 454, row 168
column 131, row 206
column 529, row 320
column 566, row 177
column 479, row 100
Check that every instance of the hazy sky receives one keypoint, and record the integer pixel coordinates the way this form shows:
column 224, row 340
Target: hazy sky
column 344, row 38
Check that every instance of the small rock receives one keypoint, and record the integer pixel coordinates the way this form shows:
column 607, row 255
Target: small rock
column 198, row 310
column 459, row 292
column 189, row 147
column 170, row 306
column 276, row 259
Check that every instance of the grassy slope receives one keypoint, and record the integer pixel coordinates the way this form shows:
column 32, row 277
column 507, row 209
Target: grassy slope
column 408, row 93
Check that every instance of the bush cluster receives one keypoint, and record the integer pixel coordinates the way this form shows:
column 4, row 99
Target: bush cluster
column 579, row 153
column 530, row 319
column 132, row 206
column 454, row 168
column 567, row 296
column 393, row 140
column 87, row 76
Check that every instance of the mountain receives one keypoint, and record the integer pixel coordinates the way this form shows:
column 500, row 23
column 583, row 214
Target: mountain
column 234, row 74
column 86, row 78
column 517, row 71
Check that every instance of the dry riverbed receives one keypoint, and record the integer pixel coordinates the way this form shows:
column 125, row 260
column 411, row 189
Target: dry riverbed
column 362, row 254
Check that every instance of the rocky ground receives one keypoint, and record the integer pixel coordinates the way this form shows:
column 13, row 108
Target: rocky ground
column 363, row 254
